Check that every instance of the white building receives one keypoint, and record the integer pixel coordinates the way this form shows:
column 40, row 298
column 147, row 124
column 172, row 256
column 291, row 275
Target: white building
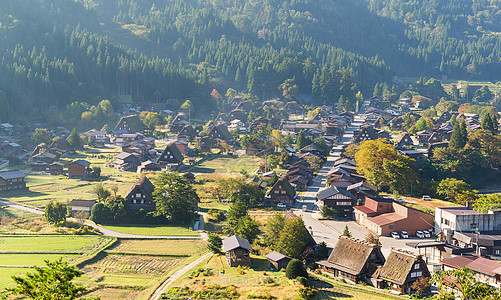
column 465, row 219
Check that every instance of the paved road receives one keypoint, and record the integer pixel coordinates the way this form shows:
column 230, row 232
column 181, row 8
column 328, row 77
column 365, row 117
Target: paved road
column 330, row 230
column 22, row 207
column 158, row 293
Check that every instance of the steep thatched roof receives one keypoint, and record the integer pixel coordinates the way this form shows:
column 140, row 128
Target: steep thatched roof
column 144, row 184
column 398, row 266
column 350, row 255
column 134, row 123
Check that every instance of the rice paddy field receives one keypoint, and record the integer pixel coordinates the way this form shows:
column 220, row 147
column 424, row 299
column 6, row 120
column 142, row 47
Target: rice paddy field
column 19, row 253
column 137, row 267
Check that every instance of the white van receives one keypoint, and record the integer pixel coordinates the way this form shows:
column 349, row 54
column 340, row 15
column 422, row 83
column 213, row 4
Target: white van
column 420, row 234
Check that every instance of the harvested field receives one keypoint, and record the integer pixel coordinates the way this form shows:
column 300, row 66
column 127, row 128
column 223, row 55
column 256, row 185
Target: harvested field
column 162, row 247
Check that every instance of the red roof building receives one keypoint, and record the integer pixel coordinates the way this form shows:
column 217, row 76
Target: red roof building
column 383, row 216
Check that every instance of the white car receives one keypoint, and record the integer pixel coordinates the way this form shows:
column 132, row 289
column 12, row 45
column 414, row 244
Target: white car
column 420, row 234
column 305, row 207
column 427, row 234
column 281, row 205
column 404, row 234
column 426, row 198
column 395, row 235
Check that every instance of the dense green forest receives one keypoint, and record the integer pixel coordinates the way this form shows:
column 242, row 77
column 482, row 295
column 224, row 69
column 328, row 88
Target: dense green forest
column 55, row 52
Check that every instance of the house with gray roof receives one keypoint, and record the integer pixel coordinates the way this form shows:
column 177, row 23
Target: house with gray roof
column 277, row 261
column 237, row 251
column 81, row 208
column 12, row 180
column 338, row 198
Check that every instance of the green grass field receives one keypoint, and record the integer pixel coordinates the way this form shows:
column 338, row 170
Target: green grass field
column 7, row 273
column 228, row 164
column 50, row 243
column 153, row 230
column 30, row 260
column 27, row 251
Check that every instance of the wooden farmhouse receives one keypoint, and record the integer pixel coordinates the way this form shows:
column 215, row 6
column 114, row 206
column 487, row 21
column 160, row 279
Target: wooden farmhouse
column 366, row 133
column 79, row 169
column 338, row 198
column 187, row 132
column 171, row 156
column 220, row 132
column 401, row 270
column 81, row 208
column 277, row 261
column 127, row 162
column 140, row 195
column 56, row 168
column 12, row 180
column 131, row 123
column 353, row 260
column 282, row 192
column 404, row 140
column 237, row 251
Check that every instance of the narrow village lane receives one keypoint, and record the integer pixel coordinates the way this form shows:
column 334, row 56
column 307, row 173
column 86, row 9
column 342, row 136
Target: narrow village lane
column 326, row 230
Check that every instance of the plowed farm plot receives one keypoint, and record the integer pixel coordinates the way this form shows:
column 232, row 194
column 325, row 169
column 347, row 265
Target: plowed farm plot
column 162, row 247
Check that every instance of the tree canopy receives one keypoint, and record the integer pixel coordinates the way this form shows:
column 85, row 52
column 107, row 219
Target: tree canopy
column 175, row 198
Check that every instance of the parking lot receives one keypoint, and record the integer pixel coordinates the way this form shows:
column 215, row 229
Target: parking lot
column 330, row 230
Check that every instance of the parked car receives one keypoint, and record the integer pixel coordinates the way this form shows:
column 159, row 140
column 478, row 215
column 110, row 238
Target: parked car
column 305, row 207
column 404, row 234
column 395, row 235
column 426, row 198
column 281, row 205
column 420, row 234
column 427, row 234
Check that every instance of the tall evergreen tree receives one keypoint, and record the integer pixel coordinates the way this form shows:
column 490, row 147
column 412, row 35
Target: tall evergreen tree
column 457, row 140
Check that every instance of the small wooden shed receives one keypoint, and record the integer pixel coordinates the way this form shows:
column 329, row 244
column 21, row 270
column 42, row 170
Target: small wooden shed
column 277, row 261
column 56, row 168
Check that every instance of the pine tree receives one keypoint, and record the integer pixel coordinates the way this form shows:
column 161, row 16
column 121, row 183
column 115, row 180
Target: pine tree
column 459, row 136
column 346, row 232
column 75, row 140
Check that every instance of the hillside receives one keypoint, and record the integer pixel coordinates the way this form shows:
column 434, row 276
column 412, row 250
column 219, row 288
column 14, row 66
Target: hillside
column 55, row 51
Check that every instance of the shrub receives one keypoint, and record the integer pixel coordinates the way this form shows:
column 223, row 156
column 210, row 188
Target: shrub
column 329, row 212
column 294, row 269
column 312, row 266
column 216, row 215
column 214, row 243
column 307, row 293
column 303, row 281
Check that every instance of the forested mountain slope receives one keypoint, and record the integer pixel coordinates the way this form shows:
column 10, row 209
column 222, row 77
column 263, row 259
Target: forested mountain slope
column 59, row 51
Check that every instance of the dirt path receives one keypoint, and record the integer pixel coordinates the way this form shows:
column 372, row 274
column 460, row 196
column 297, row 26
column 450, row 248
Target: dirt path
column 158, row 293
